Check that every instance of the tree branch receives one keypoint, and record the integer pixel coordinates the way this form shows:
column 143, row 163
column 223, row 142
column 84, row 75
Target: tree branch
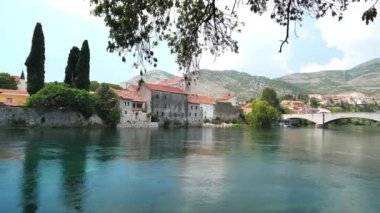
column 287, row 26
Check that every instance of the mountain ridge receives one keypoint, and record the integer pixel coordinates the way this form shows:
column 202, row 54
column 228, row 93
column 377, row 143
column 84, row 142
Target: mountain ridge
column 363, row 78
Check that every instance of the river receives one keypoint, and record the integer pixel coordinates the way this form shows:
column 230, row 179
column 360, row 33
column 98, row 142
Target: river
column 190, row 170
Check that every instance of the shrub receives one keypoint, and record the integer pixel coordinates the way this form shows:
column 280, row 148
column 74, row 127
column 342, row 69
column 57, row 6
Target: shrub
column 107, row 105
column 54, row 96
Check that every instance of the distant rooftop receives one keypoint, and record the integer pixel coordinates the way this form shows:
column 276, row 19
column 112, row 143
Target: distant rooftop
column 14, row 92
column 158, row 87
column 198, row 99
column 131, row 95
column 172, row 81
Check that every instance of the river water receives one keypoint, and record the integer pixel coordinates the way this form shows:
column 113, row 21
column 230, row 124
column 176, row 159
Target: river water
column 190, row 170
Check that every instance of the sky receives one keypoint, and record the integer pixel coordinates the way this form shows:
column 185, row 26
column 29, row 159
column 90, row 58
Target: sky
column 324, row 44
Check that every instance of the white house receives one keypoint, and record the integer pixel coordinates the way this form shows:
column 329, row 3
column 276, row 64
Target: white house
column 206, row 104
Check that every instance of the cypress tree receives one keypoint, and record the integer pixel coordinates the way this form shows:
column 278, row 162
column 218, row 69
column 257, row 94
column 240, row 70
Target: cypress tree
column 82, row 71
column 35, row 62
column 71, row 64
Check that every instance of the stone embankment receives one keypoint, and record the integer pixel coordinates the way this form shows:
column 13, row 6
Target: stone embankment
column 138, row 125
column 222, row 125
column 28, row 117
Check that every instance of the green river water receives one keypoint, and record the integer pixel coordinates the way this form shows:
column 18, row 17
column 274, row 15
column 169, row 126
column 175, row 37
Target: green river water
column 190, row 170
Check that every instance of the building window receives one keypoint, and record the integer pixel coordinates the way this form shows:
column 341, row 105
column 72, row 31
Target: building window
column 157, row 96
column 196, row 107
column 191, row 107
column 125, row 103
column 195, row 114
column 162, row 113
column 165, row 106
column 189, row 113
column 134, row 105
column 165, row 97
column 157, row 113
column 125, row 111
column 128, row 103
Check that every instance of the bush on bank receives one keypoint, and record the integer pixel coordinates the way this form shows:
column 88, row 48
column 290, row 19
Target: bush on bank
column 58, row 96
column 107, row 105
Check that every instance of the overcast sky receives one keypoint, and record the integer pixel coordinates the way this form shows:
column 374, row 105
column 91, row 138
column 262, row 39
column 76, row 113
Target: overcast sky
column 320, row 45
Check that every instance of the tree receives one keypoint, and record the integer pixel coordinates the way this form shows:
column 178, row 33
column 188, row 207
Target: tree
column 82, row 70
column 288, row 97
column 314, row 102
column 94, row 85
column 191, row 27
column 35, row 62
column 107, row 106
column 7, row 81
column 262, row 114
column 270, row 96
column 71, row 65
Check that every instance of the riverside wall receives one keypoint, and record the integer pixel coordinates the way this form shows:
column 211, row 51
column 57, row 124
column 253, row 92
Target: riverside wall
column 29, row 117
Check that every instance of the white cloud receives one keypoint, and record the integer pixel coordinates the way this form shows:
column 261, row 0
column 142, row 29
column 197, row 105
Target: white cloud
column 79, row 8
column 258, row 48
column 356, row 40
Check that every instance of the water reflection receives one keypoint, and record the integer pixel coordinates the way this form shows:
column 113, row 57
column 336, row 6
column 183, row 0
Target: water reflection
column 73, row 172
column 152, row 170
column 30, row 176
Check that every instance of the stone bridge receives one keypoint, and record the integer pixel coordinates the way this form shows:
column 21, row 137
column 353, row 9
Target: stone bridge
column 321, row 119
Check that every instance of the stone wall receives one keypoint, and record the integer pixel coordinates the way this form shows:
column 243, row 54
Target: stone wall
column 169, row 106
column 226, row 112
column 28, row 117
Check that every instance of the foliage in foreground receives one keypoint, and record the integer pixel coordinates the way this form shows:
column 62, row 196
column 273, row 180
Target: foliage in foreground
column 192, row 27
column 55, row 96
column 107, row 105
column 262, row 115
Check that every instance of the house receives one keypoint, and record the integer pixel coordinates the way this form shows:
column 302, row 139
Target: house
column 206, row 104
column 227, row 99
column 246, row 108
column 133, row 109
column 195, row 113
column 168, row 103
column 295, row 106
column 11, row 97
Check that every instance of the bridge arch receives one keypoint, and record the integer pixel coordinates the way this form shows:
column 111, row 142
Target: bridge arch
column 321, row 119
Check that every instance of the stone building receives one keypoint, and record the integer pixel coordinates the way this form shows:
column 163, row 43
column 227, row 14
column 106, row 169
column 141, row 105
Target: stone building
column 227, row 99
column 206, row 104
column 169, row 104
column 226, row 112
column 195, row 113
column 133, row 109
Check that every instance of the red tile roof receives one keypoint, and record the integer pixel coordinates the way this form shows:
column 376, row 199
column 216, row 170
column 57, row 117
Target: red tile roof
column 14, row 92
column 198, row 99
column 132, row 87
column 225, row 98
column 172, row 81
column 158, row 87
column 131, row 95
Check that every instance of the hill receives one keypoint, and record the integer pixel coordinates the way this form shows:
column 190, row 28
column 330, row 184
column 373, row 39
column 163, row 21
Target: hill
column 364, row 78
column 217, row 83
